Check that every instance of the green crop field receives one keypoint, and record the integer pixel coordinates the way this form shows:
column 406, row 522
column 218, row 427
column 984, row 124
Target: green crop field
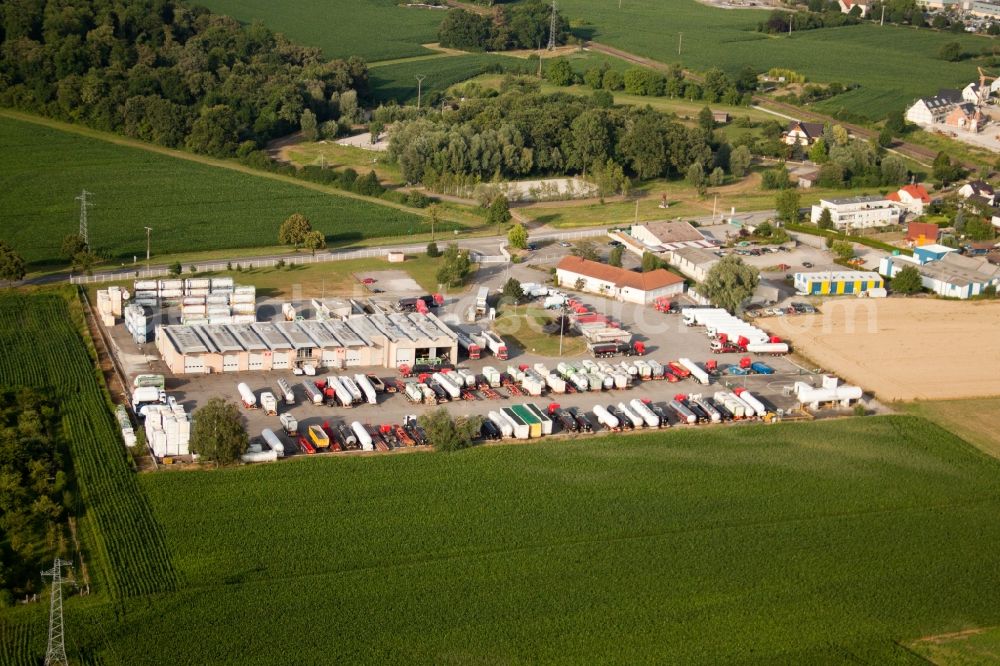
column 893, row 64
column 190, row 206
column 372, row 29
column 398, row 81
column 808, row 543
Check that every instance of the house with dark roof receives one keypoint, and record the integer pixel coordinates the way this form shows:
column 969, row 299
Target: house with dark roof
column 803, row 134
column 978, row 188
column 930, row 110
column 953, row 95
column 617, row 283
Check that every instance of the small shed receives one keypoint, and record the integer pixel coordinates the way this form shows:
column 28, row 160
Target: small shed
column 720, row 117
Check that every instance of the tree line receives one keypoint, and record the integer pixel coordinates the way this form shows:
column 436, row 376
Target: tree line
column 520, row 134
column 37, row 496
column 164, row 72
column 521, row 26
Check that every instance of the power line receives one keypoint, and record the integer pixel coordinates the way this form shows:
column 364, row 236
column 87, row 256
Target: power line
column 552, row 27
column 55, row 653
column 84, row 205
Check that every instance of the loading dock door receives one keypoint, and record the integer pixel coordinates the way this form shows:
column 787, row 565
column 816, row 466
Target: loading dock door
column 193, row 364
column 280, row 360
column 230, row 363
column 256, row 361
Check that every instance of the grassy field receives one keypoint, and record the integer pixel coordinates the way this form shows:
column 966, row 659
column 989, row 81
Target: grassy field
column 813, row 543
column 372, row 29
column 727, row 39
column 523, row 326
column 189, row 205
column 975, row 420
column 973, row 648
column 398, row 82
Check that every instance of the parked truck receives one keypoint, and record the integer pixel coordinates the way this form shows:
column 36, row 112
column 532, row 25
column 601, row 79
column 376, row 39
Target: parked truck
column 285, row 392
column 482, row 298
column 468, row 345
column 269, row 403
column 609, row 349
column 247, row 396
column 289, row 424
column 496, row 345
column 696, row 370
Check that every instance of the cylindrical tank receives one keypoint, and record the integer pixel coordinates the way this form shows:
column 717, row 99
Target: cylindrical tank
column 605, row 418
column 637, row 421
column 685, row 414
column 246, row 395
column 363, row 437
column 651, row 419
column 273, row 441
column 506, row 429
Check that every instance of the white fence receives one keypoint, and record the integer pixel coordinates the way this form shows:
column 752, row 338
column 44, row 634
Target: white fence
column 337, row 255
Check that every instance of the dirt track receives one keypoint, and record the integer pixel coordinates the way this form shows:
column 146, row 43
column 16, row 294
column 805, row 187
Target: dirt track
column 903, row 348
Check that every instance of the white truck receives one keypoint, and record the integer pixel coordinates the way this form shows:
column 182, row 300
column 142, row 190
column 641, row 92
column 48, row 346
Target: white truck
column 269, row 403
column 289, row 424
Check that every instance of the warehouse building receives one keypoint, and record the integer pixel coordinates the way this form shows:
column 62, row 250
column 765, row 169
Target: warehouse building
column 832, row 283
column 387, row 340
column 618, row 283
column 693, row 262
column 662, row 236
column 952, row 275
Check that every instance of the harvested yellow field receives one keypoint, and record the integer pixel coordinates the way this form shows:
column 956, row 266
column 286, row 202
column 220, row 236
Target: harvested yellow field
column 903, row 348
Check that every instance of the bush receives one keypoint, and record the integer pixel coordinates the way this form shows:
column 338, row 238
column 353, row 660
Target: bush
column 432, row 250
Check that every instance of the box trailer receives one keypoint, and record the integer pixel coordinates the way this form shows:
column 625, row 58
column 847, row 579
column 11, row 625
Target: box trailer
column 496, row 345
column 289, row 424
column 269, row 403
column 542, row 417
column 696, row 370
column 525, row 414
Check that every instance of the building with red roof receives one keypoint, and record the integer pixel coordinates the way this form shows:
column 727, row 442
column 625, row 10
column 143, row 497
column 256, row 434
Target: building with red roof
column 617, row 283
column 913, row 198
column 922, row 233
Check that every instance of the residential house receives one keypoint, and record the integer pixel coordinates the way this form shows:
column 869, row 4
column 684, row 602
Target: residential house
column 953, row 95
column 858, row 212
column 922, row 233
column 618, row 283
column 693, row 262
column 803, row 134
column 952, row 275
column 978, row 188
column 966, row 117
column 970, row 93
column 847, row 5
column 911, row 198
column 663, row 236
column 929, row 110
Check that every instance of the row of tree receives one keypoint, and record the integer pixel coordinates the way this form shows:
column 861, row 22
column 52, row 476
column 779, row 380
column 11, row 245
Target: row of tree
column 522, row 26
column 37, row 491
column 164, row 72
column 517, row 135
column 716, row 85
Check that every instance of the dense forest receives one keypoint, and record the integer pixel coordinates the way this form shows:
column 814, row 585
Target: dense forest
column 35, row 492
column 163, row 72
column 520, row 133
column 522, row 26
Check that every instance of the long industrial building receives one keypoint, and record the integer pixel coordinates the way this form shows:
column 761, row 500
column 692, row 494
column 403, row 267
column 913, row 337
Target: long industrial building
column 387, row 340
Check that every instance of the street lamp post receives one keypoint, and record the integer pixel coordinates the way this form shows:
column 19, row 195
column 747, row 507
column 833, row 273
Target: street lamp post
column 149, row 230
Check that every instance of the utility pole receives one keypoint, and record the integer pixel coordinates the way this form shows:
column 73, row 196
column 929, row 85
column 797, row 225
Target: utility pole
column 149, row 230
column 552, row 27
column 680, row 41
column 84, row 205
column 881, row 21
column 420, row 81
column 55, row 653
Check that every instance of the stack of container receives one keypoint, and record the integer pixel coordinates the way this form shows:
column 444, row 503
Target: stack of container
column 242, row 303
column 146, row 293
column 168, row 430
column 128, row 434
column 139, row 323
